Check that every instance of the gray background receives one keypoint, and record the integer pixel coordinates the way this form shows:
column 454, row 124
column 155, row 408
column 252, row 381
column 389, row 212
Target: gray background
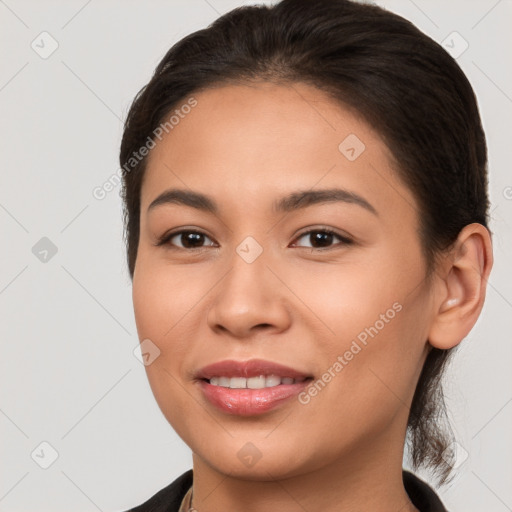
column 69, row 376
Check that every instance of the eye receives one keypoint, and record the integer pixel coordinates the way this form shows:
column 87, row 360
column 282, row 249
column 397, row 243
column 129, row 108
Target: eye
column 323, row 237
column 188, row 239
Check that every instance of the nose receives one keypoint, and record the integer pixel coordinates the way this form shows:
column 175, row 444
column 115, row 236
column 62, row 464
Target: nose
column 248, row 299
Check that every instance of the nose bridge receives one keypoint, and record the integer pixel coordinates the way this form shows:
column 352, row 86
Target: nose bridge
column 245, row 282
column 249, row 249
column 249, row 294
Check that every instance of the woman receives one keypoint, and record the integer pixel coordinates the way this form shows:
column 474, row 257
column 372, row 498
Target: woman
column 306, row 211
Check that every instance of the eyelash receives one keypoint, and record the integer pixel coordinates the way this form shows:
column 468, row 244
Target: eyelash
column 165, row 239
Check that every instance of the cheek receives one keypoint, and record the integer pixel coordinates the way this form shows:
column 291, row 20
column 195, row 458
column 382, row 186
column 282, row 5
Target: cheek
column 160, row 310
column 346, row 298
column 381, row 359
column 147, row 304
column 158, row 307
column 373, row 318
column 163, row 297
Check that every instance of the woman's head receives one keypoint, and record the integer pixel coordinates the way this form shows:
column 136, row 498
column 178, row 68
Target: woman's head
column 308, row 96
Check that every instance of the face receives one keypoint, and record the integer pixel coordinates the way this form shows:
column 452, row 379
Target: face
column 261, row 278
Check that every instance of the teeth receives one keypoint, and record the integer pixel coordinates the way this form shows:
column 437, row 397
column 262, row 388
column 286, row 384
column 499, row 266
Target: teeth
column 223, row 381
column 252, row 382
column 238, row 382
column 272, row 380
column 256, row 382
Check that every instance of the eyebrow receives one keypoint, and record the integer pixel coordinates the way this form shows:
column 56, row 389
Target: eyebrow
column 294, row 201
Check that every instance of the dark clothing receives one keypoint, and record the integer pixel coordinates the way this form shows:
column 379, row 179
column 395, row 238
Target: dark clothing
column 169, row 498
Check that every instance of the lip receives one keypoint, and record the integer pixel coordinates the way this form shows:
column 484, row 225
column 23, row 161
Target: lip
column 250, row 402
column 251, row 368
column 245, row 401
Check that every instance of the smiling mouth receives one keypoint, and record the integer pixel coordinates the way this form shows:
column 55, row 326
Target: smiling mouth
column 259, row 382
column 234, row 396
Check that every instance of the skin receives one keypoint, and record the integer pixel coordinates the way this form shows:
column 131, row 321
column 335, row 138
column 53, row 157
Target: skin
column 246, row 146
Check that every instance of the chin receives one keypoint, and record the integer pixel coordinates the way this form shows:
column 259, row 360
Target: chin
column 245, row 461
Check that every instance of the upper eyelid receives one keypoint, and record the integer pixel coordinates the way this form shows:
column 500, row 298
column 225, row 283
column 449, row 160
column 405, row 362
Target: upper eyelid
column 323, row 228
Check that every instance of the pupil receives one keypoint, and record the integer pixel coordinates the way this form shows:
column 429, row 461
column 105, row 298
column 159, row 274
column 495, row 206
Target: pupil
column 319, row 235
column 191, row 237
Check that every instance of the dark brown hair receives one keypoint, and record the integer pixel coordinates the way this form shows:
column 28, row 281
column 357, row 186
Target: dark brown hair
column 400, row 81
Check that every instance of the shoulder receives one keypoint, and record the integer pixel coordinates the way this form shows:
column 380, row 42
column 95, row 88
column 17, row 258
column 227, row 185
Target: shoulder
column 169, row 498
column 423, row 497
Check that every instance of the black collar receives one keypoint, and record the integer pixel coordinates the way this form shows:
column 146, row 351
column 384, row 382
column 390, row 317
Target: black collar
column 423, row 497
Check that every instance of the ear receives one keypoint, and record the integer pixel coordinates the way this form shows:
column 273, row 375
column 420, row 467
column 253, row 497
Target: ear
column 461, row 282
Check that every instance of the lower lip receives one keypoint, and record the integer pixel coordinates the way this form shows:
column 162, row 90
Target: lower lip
column 249, row 402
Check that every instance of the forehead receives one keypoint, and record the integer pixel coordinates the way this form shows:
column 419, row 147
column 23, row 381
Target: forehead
column 262, row 138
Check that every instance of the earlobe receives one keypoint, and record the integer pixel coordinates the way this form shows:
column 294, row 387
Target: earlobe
column 461, row 285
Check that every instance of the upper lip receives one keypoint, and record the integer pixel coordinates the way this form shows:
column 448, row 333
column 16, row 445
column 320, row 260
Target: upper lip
column 251, row 368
